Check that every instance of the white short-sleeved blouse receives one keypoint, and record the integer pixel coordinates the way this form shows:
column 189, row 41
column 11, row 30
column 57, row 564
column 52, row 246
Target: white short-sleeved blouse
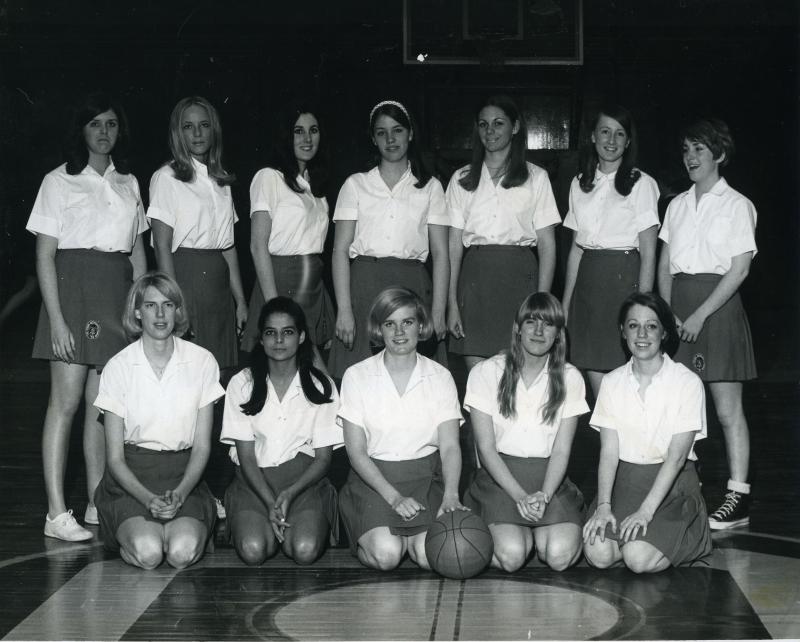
column 89, row 211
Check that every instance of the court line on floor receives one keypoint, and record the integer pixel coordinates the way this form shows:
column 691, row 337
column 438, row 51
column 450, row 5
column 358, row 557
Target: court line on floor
column 98, row 609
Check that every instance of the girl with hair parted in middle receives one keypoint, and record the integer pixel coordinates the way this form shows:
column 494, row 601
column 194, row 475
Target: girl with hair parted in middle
column 613, row 210
column 192, row 215
column 280, row 417
column 524, row 406
column 500, row 207
column 289, row 223
column 387, row 222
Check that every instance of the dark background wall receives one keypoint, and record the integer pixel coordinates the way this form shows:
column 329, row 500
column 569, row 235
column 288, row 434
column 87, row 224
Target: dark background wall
column 668, row 61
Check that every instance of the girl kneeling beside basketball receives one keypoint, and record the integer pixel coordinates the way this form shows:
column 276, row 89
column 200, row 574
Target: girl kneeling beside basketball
column 649, row 413
column 524, row 405
column 280, row 416
column 401, row 418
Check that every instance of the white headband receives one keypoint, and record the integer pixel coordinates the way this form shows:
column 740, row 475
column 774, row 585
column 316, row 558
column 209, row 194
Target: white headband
column 389, row 102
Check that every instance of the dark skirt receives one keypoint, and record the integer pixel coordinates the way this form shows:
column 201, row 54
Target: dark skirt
column 369, row 276
column 494, row 281
column 679, row 528
column 320, row 498
column 92, row 288
column 158, row 471
column 362, row 509
column 300, row 278
column 492, row 503
column 605, row 279
column 204, row 278
column 723, row 350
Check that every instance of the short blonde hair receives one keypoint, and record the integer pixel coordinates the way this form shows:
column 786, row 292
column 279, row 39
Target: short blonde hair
column 165, row 284
column 390, row 301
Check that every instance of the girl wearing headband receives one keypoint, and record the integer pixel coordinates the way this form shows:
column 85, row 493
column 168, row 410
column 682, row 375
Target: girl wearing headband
column 388, row 220
column 500, row 207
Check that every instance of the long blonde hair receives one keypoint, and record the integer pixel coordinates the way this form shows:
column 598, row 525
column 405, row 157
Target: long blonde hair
column 545, row 307
column 181, row 162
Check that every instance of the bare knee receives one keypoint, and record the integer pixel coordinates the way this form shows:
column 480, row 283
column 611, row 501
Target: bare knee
column 306, row 550
column 601, row 554
column 560, row 555
column 184, row 552
column 145, row 552
column 383, row 555
column 640, row 560
column 510, row 554
column 64, row 405
column 254, row 550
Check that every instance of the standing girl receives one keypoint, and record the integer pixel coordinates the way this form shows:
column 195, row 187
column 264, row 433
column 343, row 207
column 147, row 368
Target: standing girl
column 613, row 210
column 289, row 222
column 401, row 419
column 280, row 416
column 88, row 220
column 649, row 413
column 500, row 207
column 191, row 211
column 709, row 242
column 387, row 221
column 158, row 398
column 524, row 406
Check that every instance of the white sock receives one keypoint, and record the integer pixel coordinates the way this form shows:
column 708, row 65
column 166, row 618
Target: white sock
column 743, row 488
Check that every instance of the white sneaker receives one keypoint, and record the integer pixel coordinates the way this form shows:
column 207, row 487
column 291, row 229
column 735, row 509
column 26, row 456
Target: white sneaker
column 65, row 527
column 90, row 516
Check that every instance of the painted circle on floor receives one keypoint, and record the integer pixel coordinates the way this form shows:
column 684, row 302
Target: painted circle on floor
column 431, row 608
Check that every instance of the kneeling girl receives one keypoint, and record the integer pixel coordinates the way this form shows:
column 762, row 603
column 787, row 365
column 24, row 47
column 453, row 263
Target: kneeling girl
column 157, row 396
column 280, row 417
column 649, row 413
column 401, row 419
column 524, row 406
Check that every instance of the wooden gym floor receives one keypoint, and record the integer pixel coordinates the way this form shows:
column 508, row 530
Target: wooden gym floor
column 52, row 590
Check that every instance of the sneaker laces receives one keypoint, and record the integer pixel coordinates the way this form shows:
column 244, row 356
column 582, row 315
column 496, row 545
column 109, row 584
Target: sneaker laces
column 728, row 506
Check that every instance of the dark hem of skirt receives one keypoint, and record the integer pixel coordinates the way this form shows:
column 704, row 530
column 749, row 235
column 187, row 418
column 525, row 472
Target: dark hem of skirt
column 369, row 276
column 493, row 282
column 204, row 278
column 605, row 279
column 362, row 509
column 492, row 503
column 158, row 471
column 320, row 497
column 679, row 528
column 92, row 288
column 723, row 351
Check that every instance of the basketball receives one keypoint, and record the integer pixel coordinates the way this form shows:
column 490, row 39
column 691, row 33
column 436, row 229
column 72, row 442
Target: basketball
column 459, row 545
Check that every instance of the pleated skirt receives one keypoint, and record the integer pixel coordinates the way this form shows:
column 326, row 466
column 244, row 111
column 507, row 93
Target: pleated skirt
column 723, row 350
column 679, row 528
column 158, row 471
column 92, row 289
column 298, row 277
column 369, row 276
column 492, row 503
column 204, row 278
column 362, row 509
column 494, row 281
column 605, row 279
column 320, row 498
